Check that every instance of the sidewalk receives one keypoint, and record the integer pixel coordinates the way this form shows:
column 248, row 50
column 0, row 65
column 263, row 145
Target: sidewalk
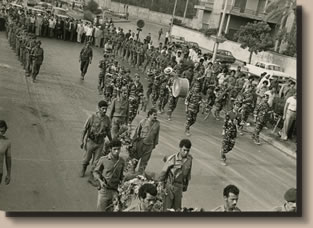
column 288, row 147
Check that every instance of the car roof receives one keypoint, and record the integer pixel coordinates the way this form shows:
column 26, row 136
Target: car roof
column 59, row 8
column 266, row 63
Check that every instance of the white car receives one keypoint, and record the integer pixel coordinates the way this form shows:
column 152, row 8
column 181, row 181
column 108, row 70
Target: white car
column 60, row 12
column 275, row 71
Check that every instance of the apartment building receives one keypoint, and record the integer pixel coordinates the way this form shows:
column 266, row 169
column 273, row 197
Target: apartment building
column 238, row 13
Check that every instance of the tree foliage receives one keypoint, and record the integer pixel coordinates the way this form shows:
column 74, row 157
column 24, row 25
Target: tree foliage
column 93, row 7
column 255, row 36
column 164, row 6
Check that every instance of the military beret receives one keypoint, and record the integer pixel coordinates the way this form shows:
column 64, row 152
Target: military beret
column 291, row 195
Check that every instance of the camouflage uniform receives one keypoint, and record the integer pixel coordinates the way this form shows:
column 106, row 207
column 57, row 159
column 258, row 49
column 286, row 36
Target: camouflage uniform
column 156, row 89
column 247, row 108
column 172, row 102
column 261, row 114
column 193, row 101
column 232, row 121
column 135, row 94
column 164, row 93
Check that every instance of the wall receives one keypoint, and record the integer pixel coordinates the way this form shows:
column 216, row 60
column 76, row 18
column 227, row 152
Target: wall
column 286, row 62
column 157, row 17
column 252, row 4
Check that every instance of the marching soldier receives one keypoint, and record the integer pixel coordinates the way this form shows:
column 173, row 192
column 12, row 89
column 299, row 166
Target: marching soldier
column 103, row 64
column 135, row 96
column 30, row 44
column 85, row 59
column 247, row 104
column 260, row 118
column 164, row 93
column 37, row 57
column 230, row 128
column 172, row 102
column 192, row 103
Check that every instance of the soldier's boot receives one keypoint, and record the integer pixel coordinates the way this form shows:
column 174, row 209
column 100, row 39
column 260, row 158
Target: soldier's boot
column 83, row 171
column 82, row 76
column 169, row 116
column 187, row 131
column 223, row 159
column 257, row 140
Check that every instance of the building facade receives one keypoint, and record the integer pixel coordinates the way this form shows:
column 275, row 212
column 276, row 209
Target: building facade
column 238, row 13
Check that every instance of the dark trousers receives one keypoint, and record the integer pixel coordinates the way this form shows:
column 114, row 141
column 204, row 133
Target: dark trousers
column 84, row 66
column 35, row 69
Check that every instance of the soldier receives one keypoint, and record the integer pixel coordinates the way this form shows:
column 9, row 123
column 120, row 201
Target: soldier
column 119, row 111
column 260, row 118
column 172, row 102
column 247, row 105
column 220, row 97
column 135, row 96
column 103, row 64
column 175, row 176
column 164, row 93
column 208, row 102
column 37, row 56
column 290, row 204
column 29, row 44
column 192, row 103
column 146, row 138
column 96, row 129
column 109, row 173
column 85, row 59
column 156, row 88
column 230, row 128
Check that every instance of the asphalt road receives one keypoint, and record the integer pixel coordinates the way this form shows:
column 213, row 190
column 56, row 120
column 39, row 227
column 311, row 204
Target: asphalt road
column 45, row 123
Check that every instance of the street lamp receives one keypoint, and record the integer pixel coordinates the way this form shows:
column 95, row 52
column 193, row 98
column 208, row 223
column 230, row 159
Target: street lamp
column 218, row 38
column 172, row 21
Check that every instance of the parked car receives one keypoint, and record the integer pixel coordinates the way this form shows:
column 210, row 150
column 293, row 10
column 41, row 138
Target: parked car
column 193, row 44
column 60, row 12
column 223, row 56
column 36, row 10
column 44, row 5
column 274, row 70
column 177, row 39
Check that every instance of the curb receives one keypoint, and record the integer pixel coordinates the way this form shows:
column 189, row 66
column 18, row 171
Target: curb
column 275, row 144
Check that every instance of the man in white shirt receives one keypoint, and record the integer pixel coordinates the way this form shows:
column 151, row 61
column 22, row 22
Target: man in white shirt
column 290, row 113
column 80, row 31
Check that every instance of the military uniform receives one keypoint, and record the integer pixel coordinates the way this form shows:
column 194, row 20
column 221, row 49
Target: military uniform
column 175, row 175
column 193, row 101
column 85, row 58
column 38, row 56
column 103, row 67
column 232, row 121
column 247, row 105
column 164, row 93
column 135, row 95
column 172, row 102
column 261, row 114
column 156, row 89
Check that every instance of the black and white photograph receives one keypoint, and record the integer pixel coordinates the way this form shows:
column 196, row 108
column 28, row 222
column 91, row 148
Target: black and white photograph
column 166, row 107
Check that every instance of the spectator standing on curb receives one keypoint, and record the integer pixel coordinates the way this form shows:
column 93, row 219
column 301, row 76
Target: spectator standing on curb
column 5, row 152
column 160, row 33
column 290, row 113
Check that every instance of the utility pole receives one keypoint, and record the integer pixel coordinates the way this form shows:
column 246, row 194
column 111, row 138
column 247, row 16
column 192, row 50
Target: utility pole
column 186, row 7
column 219, row 31
column 174, row 10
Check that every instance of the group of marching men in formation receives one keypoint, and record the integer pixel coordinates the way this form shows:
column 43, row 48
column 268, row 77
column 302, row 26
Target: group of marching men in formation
column 25, row 44
column 213, row 88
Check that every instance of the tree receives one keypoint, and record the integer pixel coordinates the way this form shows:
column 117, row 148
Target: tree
column 92, row 6
column 255, row 36
column 280, row 10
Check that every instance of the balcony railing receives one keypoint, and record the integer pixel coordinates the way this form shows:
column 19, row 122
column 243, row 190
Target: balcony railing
column 206, row 3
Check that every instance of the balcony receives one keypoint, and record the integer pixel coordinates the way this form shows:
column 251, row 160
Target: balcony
column 205, row 5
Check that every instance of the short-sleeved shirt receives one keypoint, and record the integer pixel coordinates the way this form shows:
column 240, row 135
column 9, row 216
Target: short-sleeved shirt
column 98, row 127
column 86, row 53
column 111, row 171
column 292, row 104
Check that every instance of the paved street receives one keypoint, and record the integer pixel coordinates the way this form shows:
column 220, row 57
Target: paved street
column 45, row 123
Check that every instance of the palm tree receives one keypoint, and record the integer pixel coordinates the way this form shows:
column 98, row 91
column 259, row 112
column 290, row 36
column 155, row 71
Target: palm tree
column 280, row 10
